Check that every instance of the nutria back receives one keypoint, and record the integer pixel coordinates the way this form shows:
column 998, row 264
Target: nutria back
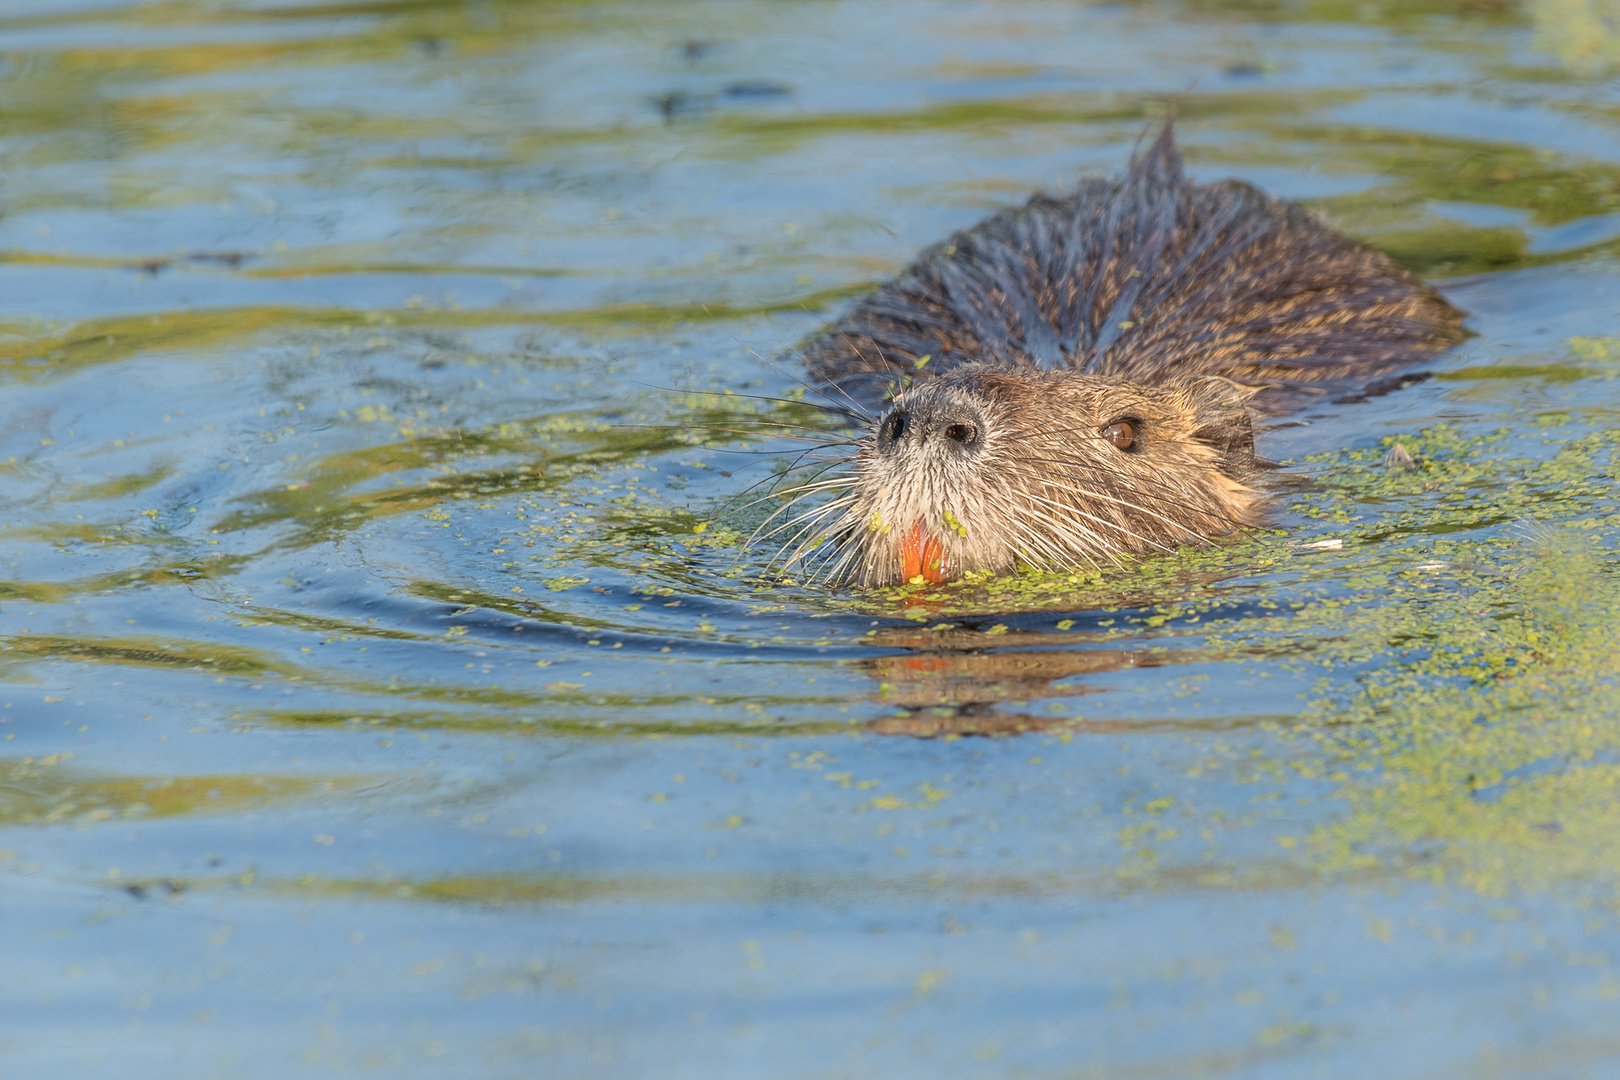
column 1147, row 277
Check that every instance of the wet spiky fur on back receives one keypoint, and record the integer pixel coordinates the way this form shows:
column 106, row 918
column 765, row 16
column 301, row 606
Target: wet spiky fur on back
column 1183, row 307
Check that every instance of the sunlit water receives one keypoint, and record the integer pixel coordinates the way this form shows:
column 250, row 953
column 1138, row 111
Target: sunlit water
column 387, row 691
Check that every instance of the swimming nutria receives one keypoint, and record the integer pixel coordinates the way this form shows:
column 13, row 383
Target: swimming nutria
column 1075, row 379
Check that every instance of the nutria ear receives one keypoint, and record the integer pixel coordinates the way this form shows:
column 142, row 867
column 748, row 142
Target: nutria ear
column 1221, row 407
column 1232, row 436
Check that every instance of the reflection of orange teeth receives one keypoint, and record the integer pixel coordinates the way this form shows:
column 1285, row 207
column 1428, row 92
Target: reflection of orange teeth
column 922, row 556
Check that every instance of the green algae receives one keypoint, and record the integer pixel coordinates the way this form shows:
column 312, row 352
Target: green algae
column 524, row 889
column 1464, row 636
column 1396, row 14
column 1583, row 34
column 530, row 456
column 141, row 652
column 179, row 572
column 50, row 791
column 1367, row 604
column 32, row 351
column 1495, row 758
column 584, row 725
column 1449, row 656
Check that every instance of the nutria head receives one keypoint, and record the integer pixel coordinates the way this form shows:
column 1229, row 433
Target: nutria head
column 990, row 469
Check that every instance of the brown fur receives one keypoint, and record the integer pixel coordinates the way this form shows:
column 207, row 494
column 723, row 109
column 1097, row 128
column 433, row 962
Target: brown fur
column 1181, row 307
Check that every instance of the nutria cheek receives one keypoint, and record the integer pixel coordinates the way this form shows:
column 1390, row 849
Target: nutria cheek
column 922, row 555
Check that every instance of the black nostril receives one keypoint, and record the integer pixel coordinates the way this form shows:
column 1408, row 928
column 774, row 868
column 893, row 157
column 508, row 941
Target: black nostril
column 893, row 428
column 961, row 433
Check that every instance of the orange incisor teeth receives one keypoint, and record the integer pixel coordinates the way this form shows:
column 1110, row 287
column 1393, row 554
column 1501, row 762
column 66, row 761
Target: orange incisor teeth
column 922, row 556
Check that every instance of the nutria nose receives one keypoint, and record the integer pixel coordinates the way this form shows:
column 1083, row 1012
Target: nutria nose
column 893, row 429
column 957, row 430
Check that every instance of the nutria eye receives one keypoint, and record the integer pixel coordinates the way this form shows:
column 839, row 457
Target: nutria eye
column 1121, row 433
column 962, row 433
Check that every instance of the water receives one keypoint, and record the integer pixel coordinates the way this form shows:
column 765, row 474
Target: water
column 374, row 702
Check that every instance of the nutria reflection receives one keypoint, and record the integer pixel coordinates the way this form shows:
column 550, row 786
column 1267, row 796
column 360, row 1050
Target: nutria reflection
column 950, row 682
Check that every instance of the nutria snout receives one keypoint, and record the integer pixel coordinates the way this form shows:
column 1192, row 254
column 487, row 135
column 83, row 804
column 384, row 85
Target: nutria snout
column 1076, row 380
column 987, row 468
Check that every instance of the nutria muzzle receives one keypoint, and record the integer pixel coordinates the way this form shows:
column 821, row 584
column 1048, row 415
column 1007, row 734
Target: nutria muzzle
column 988, row 469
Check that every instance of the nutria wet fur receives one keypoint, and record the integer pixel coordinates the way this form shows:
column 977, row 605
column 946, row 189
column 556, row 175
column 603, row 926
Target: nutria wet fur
column 1075, row 379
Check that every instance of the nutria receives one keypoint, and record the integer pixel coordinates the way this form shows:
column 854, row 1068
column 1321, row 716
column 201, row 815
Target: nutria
column 1077, row 379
